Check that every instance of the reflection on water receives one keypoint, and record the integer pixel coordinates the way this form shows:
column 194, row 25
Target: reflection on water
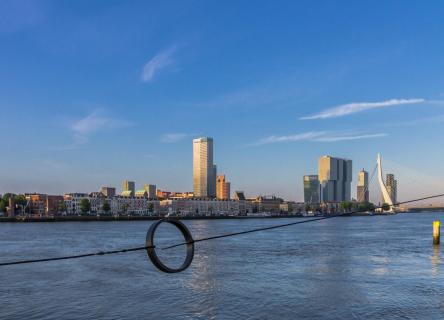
column 435, row 260
column 344, row 268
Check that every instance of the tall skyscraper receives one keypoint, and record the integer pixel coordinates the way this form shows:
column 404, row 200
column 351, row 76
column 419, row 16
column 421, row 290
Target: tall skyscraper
column 129, row 186
column 204, row 179
column 392, row 187
column 335, row 176
column 150, row 190
column 222, row 188
column 311, row 189
column 362, row 192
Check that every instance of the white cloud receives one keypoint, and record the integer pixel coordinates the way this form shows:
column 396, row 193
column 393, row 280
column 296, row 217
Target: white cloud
column 83, row 128
column 158, row 62
column 174, row 137
column 355, row 107
column 334, row 138
column 317, row 136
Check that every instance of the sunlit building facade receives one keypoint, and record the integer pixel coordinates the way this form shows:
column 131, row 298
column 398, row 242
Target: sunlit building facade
column 335, row 176
column 362, row 192
column 222, row 188
column 128, row 187
column 204, row 179
column 151, row 190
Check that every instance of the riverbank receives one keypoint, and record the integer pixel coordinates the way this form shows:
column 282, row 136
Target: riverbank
column 130, row 218
column 150, row 218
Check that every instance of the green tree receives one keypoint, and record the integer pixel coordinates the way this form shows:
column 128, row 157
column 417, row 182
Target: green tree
column 106, row 207
column 62, row 207
column 6, row 197
column 151, row 208
column 3, row 205
column 85, row 205
column 385, row 207
column 20, row 200
column 346, row 206
column 366, row 206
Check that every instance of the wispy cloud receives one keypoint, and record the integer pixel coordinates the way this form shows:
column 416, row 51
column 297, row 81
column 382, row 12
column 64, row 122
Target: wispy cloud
column 317, row 136
column 174, row 137
column 160, row 61
column 355, row 107
column 94, row 122
column 350, row 137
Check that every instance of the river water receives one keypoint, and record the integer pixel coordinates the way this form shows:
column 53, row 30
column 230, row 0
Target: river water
column 381, row 267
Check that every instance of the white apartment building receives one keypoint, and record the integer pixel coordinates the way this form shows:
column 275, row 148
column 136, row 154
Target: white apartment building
column 186, row 207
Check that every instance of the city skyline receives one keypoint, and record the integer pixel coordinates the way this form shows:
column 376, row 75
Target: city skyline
column 117, row 94
column 332, row 184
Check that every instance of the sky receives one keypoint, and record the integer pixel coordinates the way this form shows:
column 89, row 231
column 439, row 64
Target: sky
column 96, row 92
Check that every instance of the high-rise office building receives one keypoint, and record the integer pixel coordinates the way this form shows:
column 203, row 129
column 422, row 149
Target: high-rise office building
column 204, row 178
column 362, row 188
column 129, row 187
column 335, row 176
column 108, row 192
column 150, row 190
column 222, row 188
column 311, row 189
column 392, row 187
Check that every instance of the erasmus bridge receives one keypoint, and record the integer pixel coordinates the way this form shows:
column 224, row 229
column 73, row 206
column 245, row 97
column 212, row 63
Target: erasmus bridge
column 385, row 194
column 389, row 204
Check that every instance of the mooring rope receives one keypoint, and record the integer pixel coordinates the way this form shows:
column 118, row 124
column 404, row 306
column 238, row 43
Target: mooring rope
column 102, row 253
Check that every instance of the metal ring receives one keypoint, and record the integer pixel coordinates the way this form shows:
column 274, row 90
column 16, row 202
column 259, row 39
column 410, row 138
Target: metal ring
column 151, row 248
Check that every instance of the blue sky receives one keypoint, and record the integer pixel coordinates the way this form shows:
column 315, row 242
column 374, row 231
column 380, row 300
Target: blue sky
column 95, row 92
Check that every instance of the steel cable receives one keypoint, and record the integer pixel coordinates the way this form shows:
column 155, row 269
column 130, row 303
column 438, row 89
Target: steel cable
column 102, row 253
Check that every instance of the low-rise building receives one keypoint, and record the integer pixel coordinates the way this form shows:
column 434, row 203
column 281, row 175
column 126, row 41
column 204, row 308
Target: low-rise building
column 72, row 202
column 43, row 204
column 36, row 203
column 192, row 207
column 269, row 204
column 53, row 204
